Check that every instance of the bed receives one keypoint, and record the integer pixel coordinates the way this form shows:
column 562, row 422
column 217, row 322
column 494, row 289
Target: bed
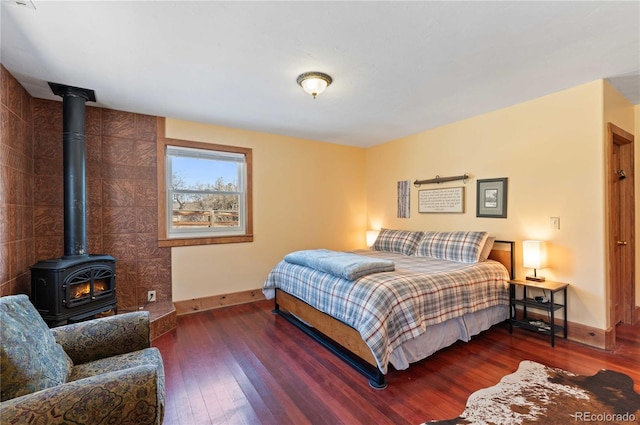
column 443, row 287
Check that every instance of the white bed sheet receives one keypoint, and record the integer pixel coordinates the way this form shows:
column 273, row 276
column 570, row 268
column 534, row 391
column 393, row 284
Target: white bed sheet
column 437, row 337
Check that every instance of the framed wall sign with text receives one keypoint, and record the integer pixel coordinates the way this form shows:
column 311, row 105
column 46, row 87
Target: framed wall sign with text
column 450, row 200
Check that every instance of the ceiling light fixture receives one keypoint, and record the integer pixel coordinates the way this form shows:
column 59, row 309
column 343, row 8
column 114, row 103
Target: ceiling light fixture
column 314, row 83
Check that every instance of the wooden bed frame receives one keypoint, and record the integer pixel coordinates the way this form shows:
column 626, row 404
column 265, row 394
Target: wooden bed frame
column 345, row 341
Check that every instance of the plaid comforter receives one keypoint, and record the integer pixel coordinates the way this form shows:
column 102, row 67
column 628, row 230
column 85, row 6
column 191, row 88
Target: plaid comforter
column 390, row 308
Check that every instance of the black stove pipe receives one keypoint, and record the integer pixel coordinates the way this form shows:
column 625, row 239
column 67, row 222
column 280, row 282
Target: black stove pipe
column 73, row 145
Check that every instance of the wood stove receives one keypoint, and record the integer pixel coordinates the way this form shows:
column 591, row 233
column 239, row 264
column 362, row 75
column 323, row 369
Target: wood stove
column 77, row 286
column 67, row 291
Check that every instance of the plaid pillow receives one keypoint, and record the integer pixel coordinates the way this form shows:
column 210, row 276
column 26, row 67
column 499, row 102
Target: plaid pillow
column 463, row 247
column 398, row 241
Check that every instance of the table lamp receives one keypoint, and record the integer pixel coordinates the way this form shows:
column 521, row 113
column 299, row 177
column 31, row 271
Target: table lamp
column 372, row 235
column 534, row 257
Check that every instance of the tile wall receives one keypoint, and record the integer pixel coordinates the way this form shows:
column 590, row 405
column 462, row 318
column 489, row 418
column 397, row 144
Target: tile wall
column 16, row 187
column 121, row 194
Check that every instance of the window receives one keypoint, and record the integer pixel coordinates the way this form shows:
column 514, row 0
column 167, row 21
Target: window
column 206, row 192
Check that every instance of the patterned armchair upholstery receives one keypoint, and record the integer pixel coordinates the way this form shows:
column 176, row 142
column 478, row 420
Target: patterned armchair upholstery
column 101, row 371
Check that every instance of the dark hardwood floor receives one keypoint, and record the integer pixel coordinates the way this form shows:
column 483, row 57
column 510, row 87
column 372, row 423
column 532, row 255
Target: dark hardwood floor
column 244, row 365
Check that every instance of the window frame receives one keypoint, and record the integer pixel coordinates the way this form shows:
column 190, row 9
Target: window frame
column 164, row 240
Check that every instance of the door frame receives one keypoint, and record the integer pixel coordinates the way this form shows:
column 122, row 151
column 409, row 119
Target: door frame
column 620, row 137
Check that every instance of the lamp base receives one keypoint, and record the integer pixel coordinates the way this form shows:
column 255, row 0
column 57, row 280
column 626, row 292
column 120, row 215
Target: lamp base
column 536, row 278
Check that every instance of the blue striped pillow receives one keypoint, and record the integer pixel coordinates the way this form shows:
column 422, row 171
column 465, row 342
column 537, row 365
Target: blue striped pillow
column 463, row 247
column 397, row 241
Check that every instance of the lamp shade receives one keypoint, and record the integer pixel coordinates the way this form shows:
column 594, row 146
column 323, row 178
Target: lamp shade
column 314, row 86
column 372, row 235
column 534, row 255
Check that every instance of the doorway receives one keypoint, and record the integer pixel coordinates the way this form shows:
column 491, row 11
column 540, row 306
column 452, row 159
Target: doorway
column 621, row 220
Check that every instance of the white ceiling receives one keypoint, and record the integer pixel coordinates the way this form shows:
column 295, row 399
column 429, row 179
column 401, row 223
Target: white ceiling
column 398, row 67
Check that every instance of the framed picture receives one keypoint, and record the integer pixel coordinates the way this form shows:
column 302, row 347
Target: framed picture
column 404, row 192
column 492, row 198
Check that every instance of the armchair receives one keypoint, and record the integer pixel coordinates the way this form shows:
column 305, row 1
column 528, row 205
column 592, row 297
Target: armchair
column 102, row 371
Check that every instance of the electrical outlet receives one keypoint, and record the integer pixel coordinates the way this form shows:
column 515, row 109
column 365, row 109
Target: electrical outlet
column 151, row 296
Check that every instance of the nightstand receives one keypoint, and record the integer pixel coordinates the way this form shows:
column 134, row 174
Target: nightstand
column 539, row 296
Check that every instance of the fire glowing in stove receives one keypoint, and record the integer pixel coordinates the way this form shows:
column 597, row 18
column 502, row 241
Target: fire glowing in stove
column 82, row 290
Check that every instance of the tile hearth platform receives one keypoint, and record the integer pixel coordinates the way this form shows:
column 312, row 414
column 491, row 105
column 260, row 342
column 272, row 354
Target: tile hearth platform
column 163, row 317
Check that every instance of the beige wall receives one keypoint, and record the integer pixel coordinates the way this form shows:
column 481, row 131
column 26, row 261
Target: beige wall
column 306, row 194
column 551, row 149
